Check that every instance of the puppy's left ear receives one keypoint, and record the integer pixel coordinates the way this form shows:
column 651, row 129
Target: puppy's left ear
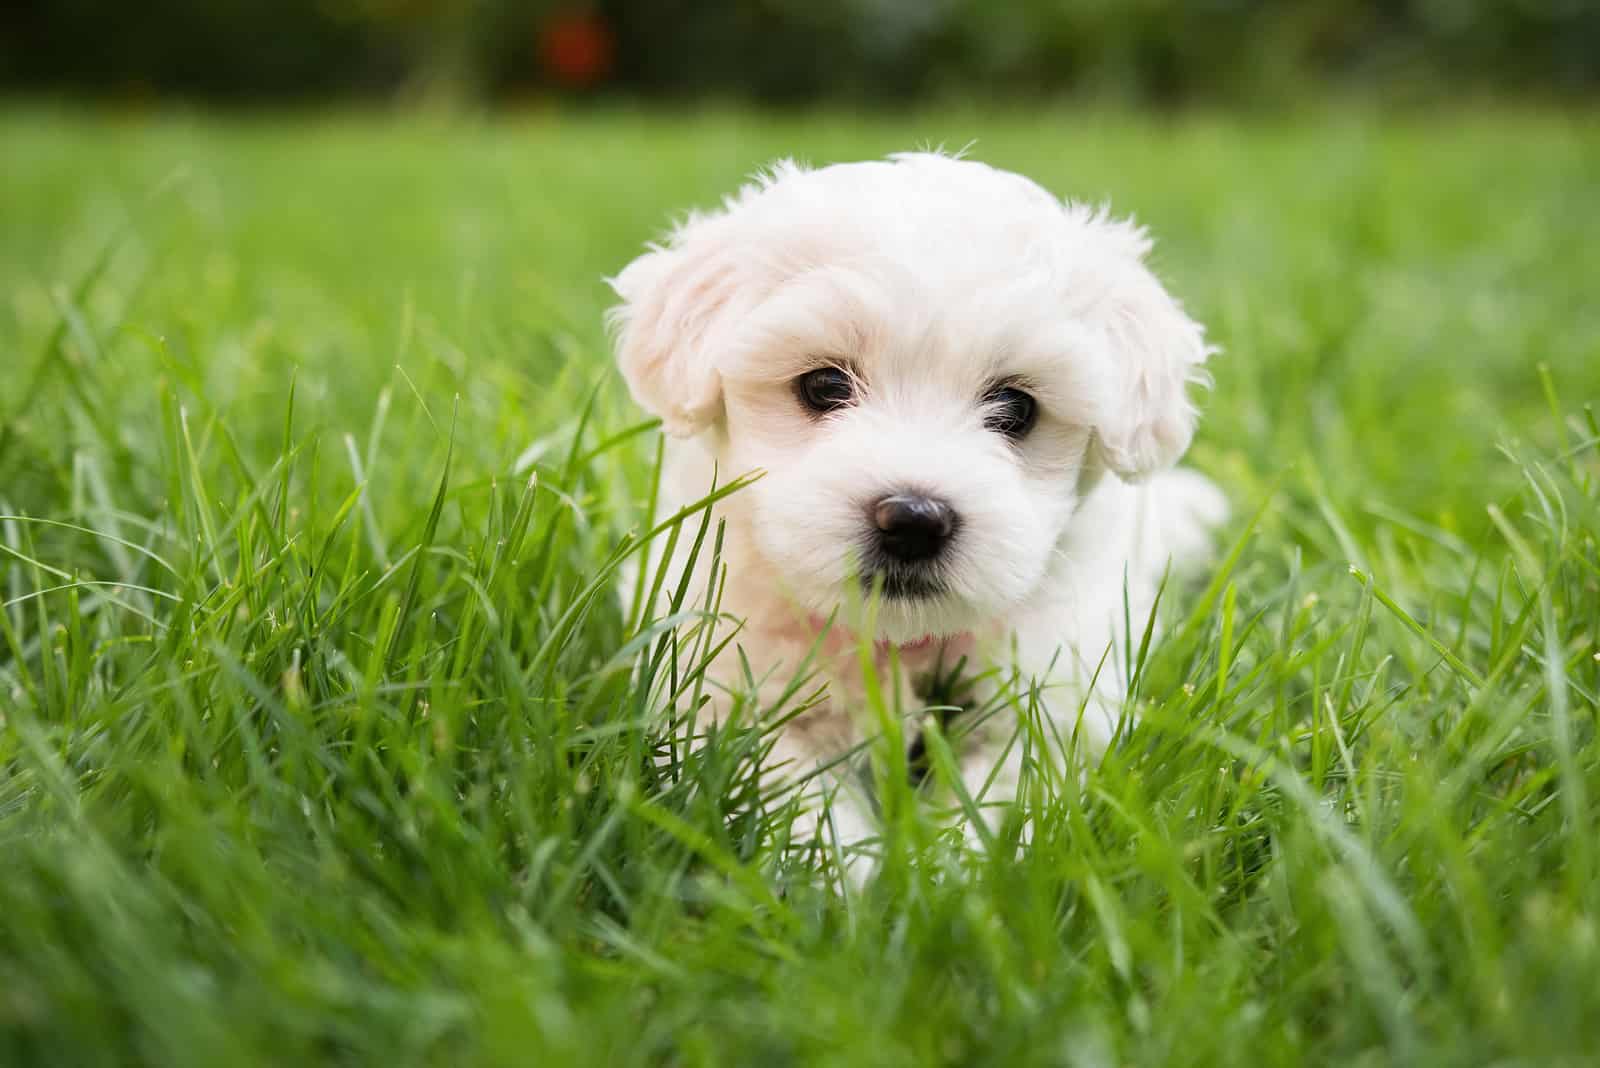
column 1155, row 352
column 673, row 300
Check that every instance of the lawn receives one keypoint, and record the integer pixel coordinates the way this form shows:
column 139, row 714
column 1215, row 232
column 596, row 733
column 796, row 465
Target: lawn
column 325, row 737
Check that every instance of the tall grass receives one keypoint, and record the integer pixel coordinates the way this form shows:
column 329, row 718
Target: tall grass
column 327, row 735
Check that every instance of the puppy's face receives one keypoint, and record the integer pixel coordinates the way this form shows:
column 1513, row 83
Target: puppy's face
column 935, row 456
column 930, row 359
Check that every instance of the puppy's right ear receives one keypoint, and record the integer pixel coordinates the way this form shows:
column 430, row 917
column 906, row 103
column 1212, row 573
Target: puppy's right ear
column 674, row 299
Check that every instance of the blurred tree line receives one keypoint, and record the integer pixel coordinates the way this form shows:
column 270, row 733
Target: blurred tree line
column 794, row 51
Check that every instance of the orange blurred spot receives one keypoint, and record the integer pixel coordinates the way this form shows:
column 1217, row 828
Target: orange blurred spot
column 576, row 48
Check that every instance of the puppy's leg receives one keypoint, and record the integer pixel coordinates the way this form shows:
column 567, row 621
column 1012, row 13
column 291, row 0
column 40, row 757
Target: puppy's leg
column 1067, row 729
column 991, row 771
column 834, row 811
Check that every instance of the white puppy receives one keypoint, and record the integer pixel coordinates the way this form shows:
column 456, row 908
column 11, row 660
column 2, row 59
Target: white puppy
column 965, row 396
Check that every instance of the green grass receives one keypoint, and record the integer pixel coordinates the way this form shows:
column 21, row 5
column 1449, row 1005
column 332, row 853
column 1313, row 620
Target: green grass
column 325, row 738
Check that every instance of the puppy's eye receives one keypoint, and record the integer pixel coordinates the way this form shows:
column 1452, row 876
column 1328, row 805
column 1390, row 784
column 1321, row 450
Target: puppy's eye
column 826, row 389
column 1010, row 412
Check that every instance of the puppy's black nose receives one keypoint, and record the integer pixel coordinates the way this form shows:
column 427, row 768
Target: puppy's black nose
column 912, row 527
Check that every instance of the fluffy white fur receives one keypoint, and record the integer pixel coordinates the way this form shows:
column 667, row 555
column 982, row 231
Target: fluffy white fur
column 932, row 279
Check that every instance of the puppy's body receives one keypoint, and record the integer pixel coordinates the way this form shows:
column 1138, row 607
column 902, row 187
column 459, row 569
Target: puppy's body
column 963, row 395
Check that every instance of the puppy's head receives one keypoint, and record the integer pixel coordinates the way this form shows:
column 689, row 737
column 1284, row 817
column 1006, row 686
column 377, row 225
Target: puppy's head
column 931, row 359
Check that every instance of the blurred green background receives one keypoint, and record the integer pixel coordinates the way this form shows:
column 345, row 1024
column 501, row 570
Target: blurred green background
column 800, row 51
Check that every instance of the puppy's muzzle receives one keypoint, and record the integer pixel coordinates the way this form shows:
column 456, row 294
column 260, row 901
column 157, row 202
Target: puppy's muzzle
column 912, row 528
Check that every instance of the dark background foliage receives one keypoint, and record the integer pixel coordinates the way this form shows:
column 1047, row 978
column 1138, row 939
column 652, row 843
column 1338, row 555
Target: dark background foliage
column 798, row 51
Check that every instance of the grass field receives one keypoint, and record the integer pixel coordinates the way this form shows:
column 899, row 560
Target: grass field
column 325, row 738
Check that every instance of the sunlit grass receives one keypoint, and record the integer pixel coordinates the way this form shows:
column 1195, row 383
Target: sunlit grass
column 327, row 736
